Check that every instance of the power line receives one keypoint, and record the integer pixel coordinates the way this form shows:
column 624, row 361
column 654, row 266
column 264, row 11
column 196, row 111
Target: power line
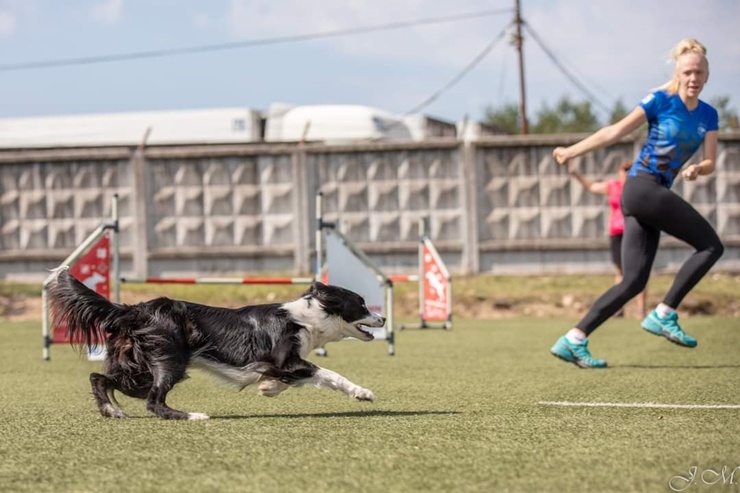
column 470, row 66
column 589, row 95
column 138, row 55
column 457, row 78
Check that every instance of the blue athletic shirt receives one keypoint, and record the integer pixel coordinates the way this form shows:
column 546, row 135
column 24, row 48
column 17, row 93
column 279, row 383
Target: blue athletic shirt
column 674, row 135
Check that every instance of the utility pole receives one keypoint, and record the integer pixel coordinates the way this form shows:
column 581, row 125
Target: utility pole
column 518, row 42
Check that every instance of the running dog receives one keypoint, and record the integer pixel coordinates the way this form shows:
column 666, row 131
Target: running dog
column 150, row 345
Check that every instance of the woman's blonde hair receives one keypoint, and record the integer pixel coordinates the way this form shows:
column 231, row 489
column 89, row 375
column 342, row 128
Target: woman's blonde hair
column 687, row 45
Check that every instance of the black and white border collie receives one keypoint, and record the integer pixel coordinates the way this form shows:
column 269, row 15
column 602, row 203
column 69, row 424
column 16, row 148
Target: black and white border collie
column 150, row 345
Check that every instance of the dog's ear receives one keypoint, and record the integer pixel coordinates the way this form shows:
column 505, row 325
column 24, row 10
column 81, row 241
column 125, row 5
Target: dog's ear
column 316, row 286
column 313, row 290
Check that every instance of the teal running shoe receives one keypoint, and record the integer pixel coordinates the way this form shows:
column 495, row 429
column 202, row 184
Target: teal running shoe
column 577, row 354
column 668, row 327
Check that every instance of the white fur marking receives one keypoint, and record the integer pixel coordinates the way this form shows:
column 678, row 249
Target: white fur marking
column 320, row 328
column 323, row 328
column 197, row 417
column 332, row 380
column 112, row 412
column 272, row 388
column 229, row 373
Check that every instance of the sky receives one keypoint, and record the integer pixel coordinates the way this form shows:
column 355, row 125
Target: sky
column 615, row 50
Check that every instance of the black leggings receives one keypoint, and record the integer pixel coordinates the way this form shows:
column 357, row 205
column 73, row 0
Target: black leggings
column 648, row 209
column 615, row 246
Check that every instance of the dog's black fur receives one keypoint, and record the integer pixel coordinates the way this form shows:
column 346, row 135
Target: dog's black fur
column 150, row 345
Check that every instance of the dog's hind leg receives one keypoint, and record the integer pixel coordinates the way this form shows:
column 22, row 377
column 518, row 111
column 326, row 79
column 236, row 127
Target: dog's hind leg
column 272, row 388
column 324, row 378
column 101, row 387
column 155, row 401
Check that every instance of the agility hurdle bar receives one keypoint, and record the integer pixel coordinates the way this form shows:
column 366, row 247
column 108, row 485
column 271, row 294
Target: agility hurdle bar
column 217, row 280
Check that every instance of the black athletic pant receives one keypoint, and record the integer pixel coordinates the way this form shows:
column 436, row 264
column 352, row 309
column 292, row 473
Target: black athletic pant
column 648, row 209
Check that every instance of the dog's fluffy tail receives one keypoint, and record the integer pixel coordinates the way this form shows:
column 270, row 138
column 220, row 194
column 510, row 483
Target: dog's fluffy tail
column 87, row 315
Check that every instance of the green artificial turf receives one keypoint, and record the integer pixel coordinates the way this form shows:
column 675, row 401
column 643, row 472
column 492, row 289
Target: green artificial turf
column 456, row 411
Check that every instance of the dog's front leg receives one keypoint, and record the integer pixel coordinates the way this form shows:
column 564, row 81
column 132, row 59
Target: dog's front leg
column 324, row 378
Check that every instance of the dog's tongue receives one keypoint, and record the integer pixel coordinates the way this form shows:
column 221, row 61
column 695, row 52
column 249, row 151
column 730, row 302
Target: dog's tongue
column 365, row 331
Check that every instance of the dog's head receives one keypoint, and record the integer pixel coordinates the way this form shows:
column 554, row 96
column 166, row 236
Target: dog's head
column 347, row 308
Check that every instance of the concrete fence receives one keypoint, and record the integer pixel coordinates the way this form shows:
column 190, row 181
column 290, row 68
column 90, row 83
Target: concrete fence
column 499, row 205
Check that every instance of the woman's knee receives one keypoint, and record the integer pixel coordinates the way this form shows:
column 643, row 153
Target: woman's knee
column 717, row 249
column 633, row 285
column 714, row 249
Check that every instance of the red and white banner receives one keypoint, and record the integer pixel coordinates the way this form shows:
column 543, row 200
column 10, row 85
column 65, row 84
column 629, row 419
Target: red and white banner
column 436, row 302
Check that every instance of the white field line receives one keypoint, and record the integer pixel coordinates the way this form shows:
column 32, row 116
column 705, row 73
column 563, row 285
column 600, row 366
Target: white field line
column 647, row 405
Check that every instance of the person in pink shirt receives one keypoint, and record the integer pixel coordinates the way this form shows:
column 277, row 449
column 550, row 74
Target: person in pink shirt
column 612, row 188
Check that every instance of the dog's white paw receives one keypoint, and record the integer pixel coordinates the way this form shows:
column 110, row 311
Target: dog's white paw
column 364, row 395
column 271, row 388
column 197, row 416
column 111, row 412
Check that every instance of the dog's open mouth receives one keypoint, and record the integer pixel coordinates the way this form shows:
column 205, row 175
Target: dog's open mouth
column 361, row 329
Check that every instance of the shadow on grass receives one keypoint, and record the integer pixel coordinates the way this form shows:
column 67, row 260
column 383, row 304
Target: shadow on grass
column 348, row 414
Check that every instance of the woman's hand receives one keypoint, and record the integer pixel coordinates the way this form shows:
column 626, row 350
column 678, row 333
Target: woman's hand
column 691, row 172
column 561, row 155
